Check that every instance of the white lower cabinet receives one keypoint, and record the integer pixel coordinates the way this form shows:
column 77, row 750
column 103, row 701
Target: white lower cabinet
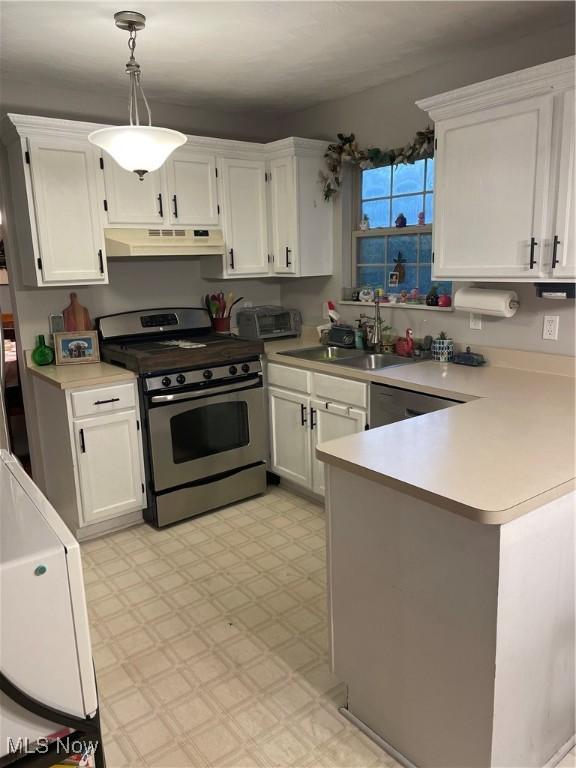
column 303, row 414
column 90, row 463
column 109, row 470
column 290, row 438
column 329, row 421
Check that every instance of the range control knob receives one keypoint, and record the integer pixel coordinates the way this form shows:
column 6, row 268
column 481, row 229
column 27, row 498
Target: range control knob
column 245, row 368
column 207, row 374
column 181, row 379
column 166, row 381
column 232, row 370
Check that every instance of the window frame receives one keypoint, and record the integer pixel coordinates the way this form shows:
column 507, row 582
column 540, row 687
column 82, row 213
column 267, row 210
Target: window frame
column 415, row 229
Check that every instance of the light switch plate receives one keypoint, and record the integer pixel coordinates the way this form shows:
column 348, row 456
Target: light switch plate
column 550, row 327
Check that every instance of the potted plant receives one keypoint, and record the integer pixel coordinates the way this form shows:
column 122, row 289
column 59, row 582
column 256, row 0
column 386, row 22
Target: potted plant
column 442, row 348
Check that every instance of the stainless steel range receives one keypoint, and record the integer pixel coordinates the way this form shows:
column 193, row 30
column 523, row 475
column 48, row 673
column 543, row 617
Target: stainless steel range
column 203, row 409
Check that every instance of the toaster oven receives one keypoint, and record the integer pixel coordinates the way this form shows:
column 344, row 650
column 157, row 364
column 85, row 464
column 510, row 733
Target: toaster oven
column 268, row 322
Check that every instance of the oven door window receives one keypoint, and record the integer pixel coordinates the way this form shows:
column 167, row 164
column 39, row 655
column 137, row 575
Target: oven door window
column 208, row 430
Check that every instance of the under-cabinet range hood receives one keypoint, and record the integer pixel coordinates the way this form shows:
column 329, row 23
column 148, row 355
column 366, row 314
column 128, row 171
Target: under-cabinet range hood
column 121, row 243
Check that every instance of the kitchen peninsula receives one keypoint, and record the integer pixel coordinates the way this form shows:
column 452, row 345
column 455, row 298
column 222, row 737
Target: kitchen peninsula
column 451, row 571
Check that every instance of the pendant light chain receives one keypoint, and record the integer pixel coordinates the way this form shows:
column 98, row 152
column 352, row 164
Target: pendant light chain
column 133, row 69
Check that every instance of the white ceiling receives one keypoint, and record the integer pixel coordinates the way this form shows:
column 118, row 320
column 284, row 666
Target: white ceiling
column 270, row 55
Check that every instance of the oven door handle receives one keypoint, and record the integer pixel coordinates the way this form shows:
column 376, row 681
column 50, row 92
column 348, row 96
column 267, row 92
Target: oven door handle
column 205, row 392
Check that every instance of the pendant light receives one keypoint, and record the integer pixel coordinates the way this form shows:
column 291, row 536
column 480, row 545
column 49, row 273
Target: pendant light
column 135, row 147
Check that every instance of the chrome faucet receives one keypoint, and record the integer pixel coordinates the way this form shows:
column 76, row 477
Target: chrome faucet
column 376, row 335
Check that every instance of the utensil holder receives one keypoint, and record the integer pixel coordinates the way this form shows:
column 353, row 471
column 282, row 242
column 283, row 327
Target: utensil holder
column 221, row 324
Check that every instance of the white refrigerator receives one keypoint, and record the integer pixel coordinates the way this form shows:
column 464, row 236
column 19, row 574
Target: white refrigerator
column 47, row 681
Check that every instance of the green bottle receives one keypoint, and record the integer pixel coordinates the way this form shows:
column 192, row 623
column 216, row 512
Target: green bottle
column 42, row 353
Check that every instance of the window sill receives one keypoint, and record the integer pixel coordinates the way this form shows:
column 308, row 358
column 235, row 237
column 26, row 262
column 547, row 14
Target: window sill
column 413, row 229
column 397, row 305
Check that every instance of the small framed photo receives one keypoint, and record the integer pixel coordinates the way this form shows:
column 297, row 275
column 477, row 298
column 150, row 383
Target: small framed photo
column 76, row 347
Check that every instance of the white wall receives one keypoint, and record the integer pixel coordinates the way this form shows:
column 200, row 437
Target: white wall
column 387, row 116
column 98, row 106
column 136, row 284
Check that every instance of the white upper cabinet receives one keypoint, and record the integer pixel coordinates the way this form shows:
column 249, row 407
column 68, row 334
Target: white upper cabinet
column 243, row 194
column 67, row 199
column 283, row 215
column 497, row 151
column 563, row 242
column 192, row 188
column 491, row 191
column 131, row 201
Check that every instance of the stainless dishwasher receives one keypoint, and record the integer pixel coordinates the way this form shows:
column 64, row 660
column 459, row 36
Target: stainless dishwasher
column 390, row 404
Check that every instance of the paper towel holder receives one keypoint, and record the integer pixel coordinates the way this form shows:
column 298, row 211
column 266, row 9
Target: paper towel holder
column 471, row 299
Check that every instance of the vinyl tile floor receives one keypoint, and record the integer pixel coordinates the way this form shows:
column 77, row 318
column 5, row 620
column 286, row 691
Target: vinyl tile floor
column 210, row 642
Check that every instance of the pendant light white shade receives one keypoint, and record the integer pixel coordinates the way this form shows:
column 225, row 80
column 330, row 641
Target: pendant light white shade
column 138, row 148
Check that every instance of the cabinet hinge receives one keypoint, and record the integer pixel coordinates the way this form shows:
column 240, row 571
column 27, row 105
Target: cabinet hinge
column 137, row 425
column 432, row 257
column 105, row 205
column 216, row 172
column 218, row 208
column 39, row 262
column 27, row 157
column 102, row 163
column 435, row 143
column 142, row 484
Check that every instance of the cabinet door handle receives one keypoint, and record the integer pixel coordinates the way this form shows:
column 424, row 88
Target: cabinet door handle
column 175, row 201
column 303, row 416
column 82, row 443
column 555, row 251
column 101, row 261
column 231, row 258
column 111, row 400
column 312, row 414
column 160, row 206
column 533, row 245
column 288, row 252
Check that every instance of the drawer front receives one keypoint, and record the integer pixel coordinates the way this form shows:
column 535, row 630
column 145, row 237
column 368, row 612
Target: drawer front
column 289, row 378
column 340, row 390
column 103, row 400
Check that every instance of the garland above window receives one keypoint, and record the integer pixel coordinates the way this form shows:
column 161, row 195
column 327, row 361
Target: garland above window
column 348, row 151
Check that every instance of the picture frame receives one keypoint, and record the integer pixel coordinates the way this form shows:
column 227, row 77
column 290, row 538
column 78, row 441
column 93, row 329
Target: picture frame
column 74, row 347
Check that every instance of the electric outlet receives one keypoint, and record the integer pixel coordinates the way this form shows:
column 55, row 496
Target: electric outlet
column 550, row 328
column 475, row 322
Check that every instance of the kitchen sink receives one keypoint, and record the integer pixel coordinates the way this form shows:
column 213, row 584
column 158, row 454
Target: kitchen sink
column 373, row 361
column 349, row 358
column 324, row 354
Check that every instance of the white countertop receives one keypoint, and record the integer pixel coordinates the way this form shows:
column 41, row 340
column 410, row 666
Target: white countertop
column 78, row 374
column 506, row 450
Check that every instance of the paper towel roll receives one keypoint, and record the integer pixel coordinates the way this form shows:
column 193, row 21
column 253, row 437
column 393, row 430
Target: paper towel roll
column 485, row 301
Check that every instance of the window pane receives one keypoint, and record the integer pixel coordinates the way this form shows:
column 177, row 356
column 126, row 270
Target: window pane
column 407, row 245
column 409, row 206
column 378, row 212
column 406, row 278
column 425, row 249
column 371, row 250
column 429, row 209
column 374, row 277
column 408, row 178
column 430, row 174
column 376, row 182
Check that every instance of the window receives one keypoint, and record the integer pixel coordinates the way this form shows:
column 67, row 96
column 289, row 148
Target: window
column 402, row 189
column 397, row 259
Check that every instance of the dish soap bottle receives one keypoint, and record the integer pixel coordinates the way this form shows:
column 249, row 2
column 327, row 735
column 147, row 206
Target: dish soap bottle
column 42, row 354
